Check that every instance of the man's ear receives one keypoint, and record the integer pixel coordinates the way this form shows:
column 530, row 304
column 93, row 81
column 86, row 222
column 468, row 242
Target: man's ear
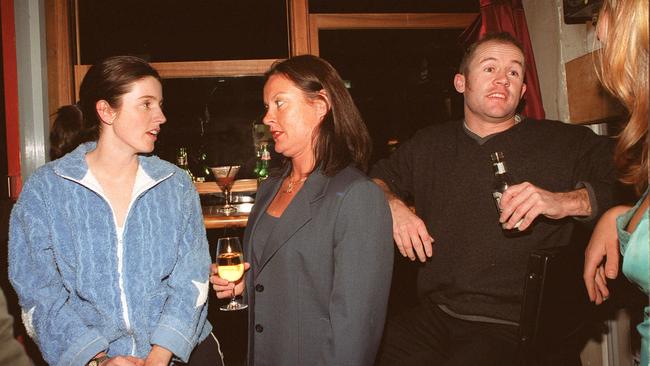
column 105, row 112
column 523, row 90
column 459, row 83
column 322, row 104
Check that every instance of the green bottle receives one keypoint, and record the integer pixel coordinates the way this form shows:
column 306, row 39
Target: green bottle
column 203, row 173
column 258, row 161
column 265, row 158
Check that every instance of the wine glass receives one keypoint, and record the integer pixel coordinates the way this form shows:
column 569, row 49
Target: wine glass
column 225, row 176
column 230, row 262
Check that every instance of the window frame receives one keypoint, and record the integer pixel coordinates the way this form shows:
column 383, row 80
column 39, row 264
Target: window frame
column 65, row 72
column 341, row 21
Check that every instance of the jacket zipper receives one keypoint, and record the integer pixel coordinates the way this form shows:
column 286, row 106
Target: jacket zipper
column 120, row 245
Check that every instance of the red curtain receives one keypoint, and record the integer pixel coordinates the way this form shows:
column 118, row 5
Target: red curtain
column 10, row 77
column 508, row 16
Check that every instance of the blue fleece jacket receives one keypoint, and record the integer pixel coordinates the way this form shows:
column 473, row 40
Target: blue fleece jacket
column 83, row 290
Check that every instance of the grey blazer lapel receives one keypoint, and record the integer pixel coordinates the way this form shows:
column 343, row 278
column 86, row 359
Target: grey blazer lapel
column 263, row 199
column 295, row 216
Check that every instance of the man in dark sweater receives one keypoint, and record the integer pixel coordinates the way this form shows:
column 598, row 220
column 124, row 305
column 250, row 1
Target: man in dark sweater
column 471, row 286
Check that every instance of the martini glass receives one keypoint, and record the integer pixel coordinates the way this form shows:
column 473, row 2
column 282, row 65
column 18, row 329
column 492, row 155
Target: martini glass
column 225, row 176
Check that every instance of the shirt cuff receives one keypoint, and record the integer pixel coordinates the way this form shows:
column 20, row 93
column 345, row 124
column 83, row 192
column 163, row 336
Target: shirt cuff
column 84, row 349
column 593, row 202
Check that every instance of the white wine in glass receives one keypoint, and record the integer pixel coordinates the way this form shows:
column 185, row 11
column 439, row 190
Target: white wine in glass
column 230, row 266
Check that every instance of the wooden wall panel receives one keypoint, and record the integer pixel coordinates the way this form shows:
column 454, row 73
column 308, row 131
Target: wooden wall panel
column 59, row 56
column 588, row 101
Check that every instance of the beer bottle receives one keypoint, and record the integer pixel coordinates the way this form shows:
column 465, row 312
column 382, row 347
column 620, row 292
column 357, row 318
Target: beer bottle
column 265, row 159
column 181, row 161
column 502, row 180
column 258, row 160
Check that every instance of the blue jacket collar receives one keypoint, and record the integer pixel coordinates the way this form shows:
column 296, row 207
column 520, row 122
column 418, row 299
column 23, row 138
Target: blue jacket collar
column 73, row 165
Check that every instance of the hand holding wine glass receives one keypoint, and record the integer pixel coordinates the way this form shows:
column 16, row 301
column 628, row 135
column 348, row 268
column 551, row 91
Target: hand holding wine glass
column 223, row 288
column 230, row 267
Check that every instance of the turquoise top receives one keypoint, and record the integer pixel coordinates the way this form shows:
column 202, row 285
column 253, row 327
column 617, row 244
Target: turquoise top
column 635, row 248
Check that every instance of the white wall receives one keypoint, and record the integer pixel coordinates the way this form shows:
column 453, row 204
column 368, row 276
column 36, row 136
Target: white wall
column 554, row 44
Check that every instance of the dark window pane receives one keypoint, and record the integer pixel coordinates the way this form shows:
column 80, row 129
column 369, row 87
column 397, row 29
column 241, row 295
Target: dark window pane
column 394, row 6
column 401, row 80
column 188, row 30
column 213, row 116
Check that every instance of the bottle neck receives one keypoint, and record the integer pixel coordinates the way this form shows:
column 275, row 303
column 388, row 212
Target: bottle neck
column 266, row 155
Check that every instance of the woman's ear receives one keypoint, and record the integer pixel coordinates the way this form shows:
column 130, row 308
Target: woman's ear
column 105, row 112
column 322, row 104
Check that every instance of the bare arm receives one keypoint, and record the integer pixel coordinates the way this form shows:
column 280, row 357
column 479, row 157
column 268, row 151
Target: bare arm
column 159, row 356
column 602, row 255
column 409, row 231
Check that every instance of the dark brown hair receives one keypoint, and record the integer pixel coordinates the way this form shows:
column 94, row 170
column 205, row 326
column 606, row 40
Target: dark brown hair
column 107, row 80
column 500, row 37
column 342, row 138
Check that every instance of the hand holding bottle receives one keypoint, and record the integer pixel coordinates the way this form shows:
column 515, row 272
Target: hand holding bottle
column 525, row 201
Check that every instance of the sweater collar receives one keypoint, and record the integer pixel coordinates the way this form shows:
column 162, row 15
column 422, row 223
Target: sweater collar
column 482, row 140
column 73, row 165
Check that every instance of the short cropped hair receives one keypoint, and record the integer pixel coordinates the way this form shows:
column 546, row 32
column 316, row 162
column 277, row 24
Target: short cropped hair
column 501, row 37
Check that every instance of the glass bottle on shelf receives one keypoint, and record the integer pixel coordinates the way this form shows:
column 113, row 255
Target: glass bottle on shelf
column 502, row 180
column 258, row 160
column 392, row 144
column 265, row 159
column 181, row 161
column 203, row 173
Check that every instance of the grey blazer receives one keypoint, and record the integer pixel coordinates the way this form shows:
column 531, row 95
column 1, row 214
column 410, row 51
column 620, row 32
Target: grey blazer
column 319, row 293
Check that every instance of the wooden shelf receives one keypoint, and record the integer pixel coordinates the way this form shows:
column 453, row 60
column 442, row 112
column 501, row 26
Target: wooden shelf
column 240, row 185
column 219, row 222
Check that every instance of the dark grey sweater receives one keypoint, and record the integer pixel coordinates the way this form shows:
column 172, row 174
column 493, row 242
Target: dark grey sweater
column 475, row 269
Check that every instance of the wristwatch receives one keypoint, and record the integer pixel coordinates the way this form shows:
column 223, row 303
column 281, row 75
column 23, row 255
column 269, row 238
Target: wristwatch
column 97, row 361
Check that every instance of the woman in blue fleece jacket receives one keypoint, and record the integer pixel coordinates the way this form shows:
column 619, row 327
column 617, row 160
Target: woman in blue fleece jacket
column 108, row 252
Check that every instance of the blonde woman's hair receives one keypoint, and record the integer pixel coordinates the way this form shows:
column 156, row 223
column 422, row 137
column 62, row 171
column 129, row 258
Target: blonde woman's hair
column 622, row 67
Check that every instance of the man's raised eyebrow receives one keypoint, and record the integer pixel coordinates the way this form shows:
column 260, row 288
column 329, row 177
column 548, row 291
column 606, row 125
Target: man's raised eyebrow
column 494, row 59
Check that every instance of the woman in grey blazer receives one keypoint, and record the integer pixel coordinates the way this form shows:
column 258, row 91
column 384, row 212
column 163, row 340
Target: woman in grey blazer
column 319, row 238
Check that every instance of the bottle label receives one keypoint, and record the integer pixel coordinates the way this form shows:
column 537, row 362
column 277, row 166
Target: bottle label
column 497, row 199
